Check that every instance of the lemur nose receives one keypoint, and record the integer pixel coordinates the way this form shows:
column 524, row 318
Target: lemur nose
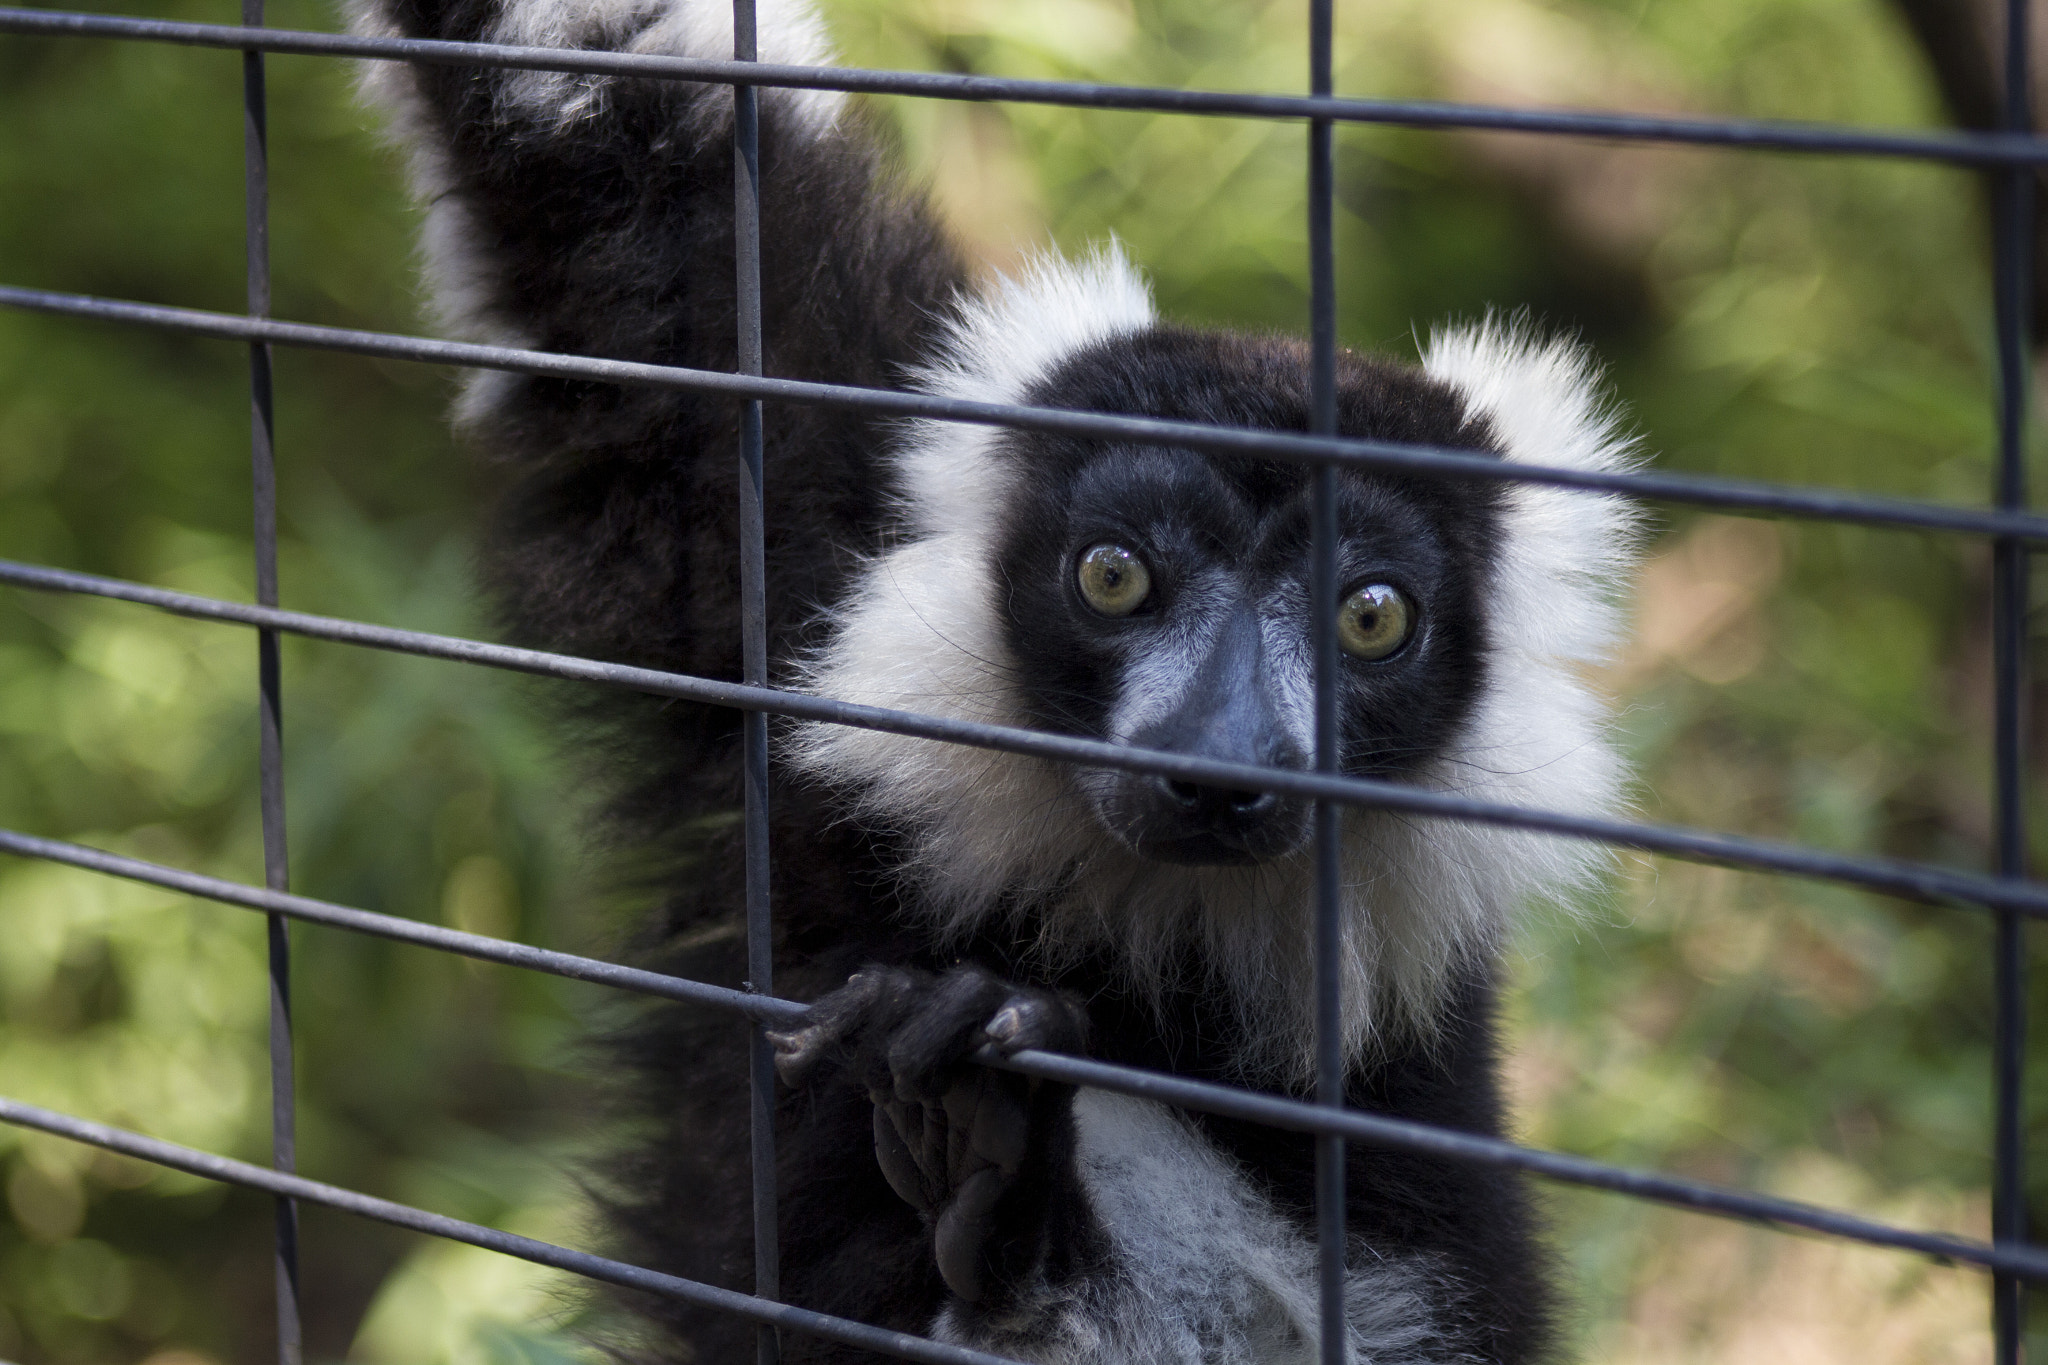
column 1220, row 805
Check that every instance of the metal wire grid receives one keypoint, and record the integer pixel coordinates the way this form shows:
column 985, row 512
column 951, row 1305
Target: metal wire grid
column 2011, row 155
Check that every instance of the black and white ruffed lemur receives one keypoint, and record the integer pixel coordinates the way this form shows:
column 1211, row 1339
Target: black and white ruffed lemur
column 933, row 898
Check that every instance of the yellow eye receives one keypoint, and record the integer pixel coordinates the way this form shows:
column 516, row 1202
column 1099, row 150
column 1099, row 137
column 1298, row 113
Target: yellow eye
column 1113, row 580
column 1374, row 621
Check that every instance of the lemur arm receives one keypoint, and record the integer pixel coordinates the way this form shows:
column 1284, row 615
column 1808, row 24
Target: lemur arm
column 595, row 215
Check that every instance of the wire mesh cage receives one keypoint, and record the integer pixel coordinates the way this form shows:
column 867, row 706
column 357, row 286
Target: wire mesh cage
column 2011, row 158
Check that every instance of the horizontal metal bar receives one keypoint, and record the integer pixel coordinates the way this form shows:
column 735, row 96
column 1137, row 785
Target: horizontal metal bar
column 1407, row 1135
column 1961, row 148
column 1276, row 1111
column 902, row 1345
column 1733, row 494
column 758, row 1007
column 1910, row 881
column 1273, row 1110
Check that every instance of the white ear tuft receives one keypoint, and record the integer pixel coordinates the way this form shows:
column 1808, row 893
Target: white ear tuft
column 1007, row 337
column 1541, row 734
column 1001, row 342
column 1568, row 554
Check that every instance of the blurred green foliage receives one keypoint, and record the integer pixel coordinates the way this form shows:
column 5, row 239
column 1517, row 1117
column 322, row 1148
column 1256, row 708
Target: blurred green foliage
column 411, row 789
column 1809, row 319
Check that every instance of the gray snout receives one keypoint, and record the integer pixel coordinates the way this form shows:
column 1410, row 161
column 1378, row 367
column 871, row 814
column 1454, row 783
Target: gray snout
column 1228, row 713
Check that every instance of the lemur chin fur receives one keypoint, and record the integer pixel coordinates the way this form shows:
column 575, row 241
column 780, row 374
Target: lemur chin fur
column 932, row 898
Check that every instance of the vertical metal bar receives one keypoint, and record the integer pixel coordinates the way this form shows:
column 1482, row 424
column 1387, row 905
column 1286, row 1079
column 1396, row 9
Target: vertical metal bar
column 269, row 686
column 754, row 644
column 2013, row 247
column 1329, row 929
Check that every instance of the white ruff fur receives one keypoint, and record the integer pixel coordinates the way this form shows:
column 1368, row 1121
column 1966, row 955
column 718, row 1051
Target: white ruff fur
column 1008, row 839
column 1207, row 1270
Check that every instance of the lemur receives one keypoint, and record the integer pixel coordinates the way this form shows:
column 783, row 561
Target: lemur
column 934, row 899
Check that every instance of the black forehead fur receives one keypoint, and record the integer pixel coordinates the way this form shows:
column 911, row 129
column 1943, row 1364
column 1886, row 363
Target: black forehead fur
column 1435, row 537
column 1223, row 379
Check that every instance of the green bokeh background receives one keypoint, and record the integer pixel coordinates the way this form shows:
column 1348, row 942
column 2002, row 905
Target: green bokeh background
column 1808, row 319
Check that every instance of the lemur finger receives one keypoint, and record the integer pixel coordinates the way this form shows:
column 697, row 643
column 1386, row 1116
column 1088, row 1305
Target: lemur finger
column 1000, row 1132
column 988, row 1124
column 830, row 1028
column 921, row 1138
column 899, row 1165
column 960, row 1102
column 854, row 1004
column 941, row 1030
column 962, row 1234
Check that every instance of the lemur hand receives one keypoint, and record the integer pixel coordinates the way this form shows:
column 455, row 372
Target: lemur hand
column 981, row 1153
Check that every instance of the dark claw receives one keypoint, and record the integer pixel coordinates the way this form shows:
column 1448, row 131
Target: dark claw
column 798, row 1053
column 1036, row 1021
column 1007, row 1027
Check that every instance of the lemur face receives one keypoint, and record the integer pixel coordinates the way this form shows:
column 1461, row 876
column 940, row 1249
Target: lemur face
column 1160, row 597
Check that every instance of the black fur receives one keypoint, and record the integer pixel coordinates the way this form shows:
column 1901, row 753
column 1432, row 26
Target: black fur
column 1434, row 540
column 615, row 538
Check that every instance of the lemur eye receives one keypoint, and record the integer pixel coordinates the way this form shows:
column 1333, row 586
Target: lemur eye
column 1113, row 580
column 1374, row 622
